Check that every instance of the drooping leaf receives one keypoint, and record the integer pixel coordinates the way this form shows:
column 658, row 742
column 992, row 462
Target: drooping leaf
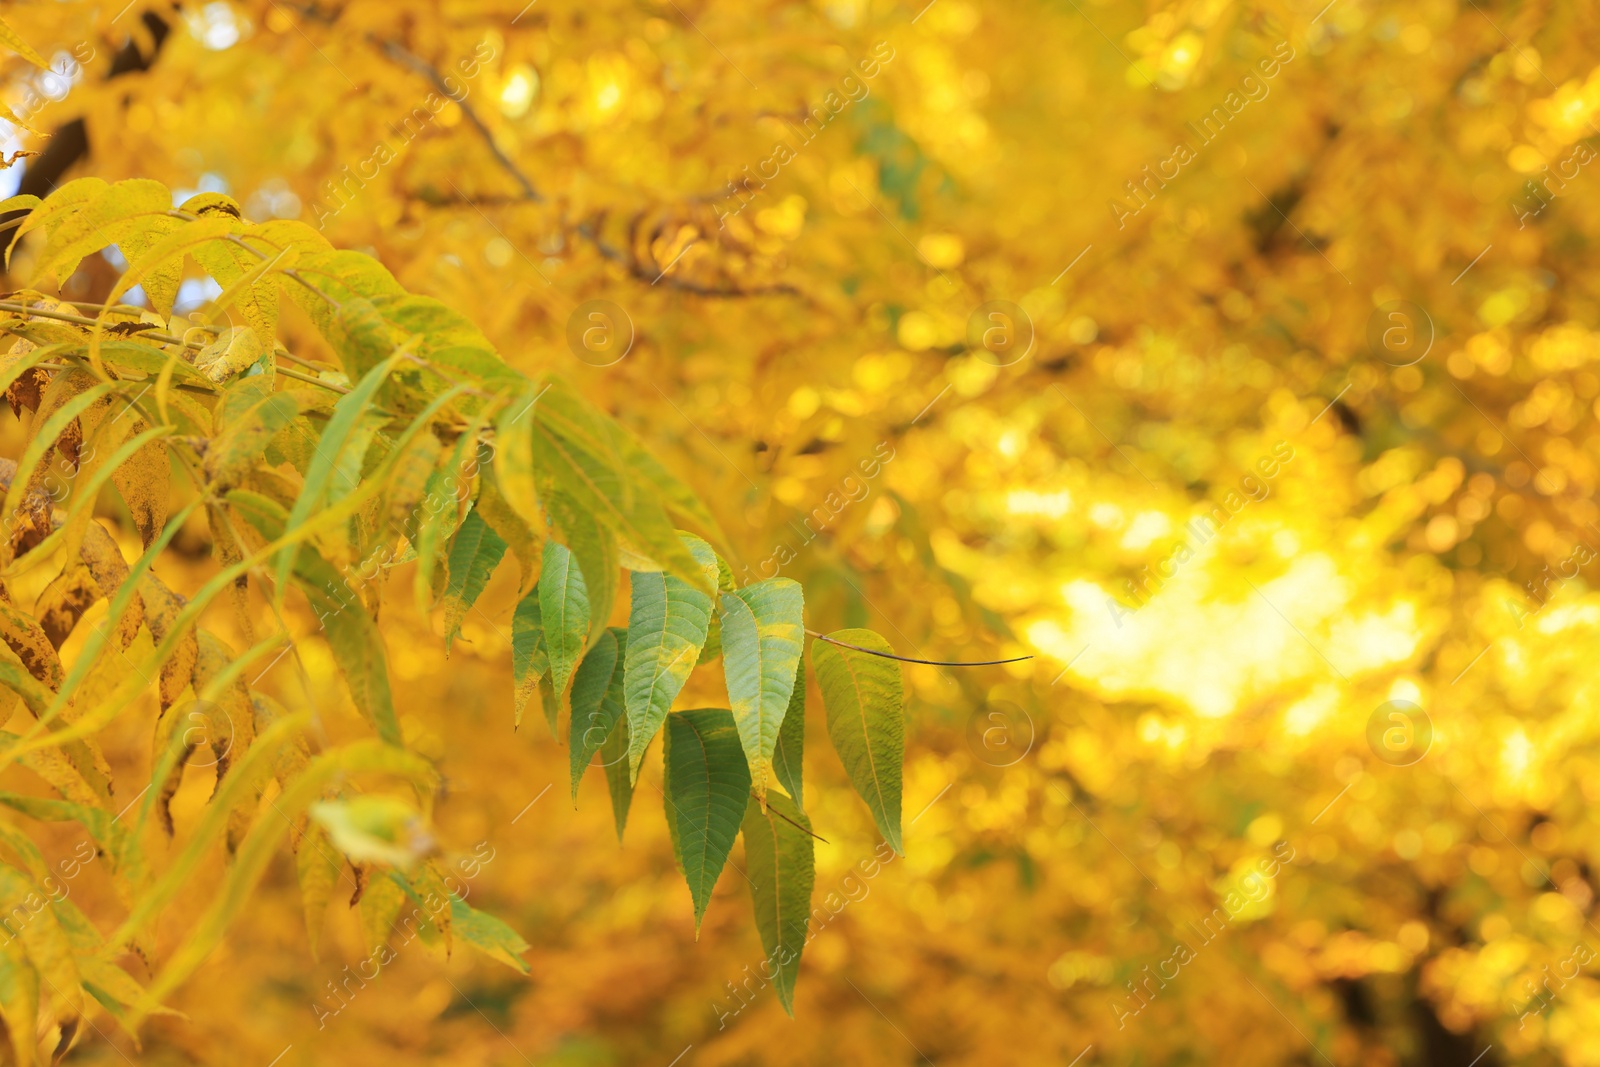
column 489, row 935
column 862, row 695
column 707, row 786
column 382, row 899
column 666, row 629
column 564, row 612
column 529, row 662
column 32, row 921
column 788, row 752
column 144, row 482
column 763, row 635
column 526, row 543
column 594, row 709
column 474, row 555
column 595, row 549
column 19, row 999
column 614, row 757
column 317, row 867
column 780, row 865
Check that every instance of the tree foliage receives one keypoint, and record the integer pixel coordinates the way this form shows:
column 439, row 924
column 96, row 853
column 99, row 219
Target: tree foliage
column 1235, row 360
column 307, row 473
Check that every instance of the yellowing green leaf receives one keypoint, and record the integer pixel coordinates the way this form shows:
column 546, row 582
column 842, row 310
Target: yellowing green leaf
column 578, row 450
column 529, row 661
column 667, row 626
column 564, row 611
column 788, row 752
column 317, row 868
column 474, row 555
column 862, row 696
column 763, row 635
column 489, row 935
column 19, row 999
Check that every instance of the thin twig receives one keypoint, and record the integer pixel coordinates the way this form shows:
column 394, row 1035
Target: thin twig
column 910, row 659
column 299, row 377
column 79, row 320
column 397, row 52
column 639, row 272
column 791, row 822
column 530, row 194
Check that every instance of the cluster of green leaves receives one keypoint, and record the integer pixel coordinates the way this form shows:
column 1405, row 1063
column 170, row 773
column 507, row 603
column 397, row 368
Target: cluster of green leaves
column 414, row 446
column 719, row 763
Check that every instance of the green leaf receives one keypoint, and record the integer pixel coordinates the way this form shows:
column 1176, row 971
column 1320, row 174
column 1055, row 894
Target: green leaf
column 525, row 543
column 340, row 432
column 763, row 634
column 787, row 753
column 513, row 456
column 781, row 868
column 442, row 503
column 488, row 935
column 595, row 549
column 564, row 608
column 862, row 696
column 666, row 630
column 596, row 702
column 529, row 661
column 707, row 788
column 473, row 557
column 614, row 757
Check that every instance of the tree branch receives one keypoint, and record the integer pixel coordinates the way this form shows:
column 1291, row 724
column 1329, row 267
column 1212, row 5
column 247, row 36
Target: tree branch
column 397, row 52
column 530, row 194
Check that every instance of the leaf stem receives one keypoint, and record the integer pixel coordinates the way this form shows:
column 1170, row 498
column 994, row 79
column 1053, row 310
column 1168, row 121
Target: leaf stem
column 791, row 822
column 925, row 662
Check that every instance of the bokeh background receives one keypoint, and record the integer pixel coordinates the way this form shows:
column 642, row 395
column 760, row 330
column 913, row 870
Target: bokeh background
column 1237, row 361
